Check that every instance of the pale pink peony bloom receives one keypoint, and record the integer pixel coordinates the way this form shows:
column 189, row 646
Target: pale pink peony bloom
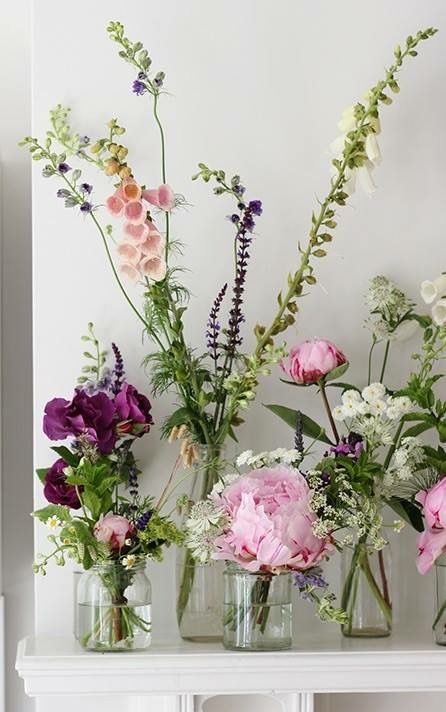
column 153, row 244
column 129, row 271
column 137, row 233
column 154, row 267
column 129, row 253
column 134, row 212
column 113, row 529
column 270, row 522
column 115, row 205
column 130, row 190
column 310, row 361
column 162, row 197
column 434, row 505
column 431, row 544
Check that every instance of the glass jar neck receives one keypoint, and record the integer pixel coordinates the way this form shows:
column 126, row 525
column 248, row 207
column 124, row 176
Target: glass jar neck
column 233, row 568
column 110, row 567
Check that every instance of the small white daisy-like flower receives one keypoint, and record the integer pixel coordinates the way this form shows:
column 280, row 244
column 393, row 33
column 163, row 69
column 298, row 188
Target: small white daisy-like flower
column 128, row 542
column 290, row 456
column 377, row 407
column 350, row 409
column 374, row 392
column 393, row 413
column 351, row 396
column 277, row 454
column 339, row 413
column 129, row 561
column 243, row 458
column 53, row 522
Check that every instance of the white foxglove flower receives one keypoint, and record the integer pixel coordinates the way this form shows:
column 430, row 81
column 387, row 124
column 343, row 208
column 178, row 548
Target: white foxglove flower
column 432, row 290
column 439, row 312
column 372, row 149
column 373, row 392
column 366, row 179
column 337, row 146
column 348, row 121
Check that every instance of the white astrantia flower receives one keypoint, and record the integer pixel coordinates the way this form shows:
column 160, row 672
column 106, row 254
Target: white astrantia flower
column 53, row 522
column 204, row 516
column 432, row 290
column 439, row 312
column 243, row 458
column 129, row 561
column 372, row 149
column 373, row 392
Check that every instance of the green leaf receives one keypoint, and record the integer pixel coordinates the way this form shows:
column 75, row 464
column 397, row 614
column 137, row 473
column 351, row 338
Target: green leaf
column 53, row 510
column 232, row 434
column 66, row 454
column 309, row 427
column 416, row 430
column 41, row 473
column 407, row 511
column 92, row 503
column 344, row 386
column 337, row 372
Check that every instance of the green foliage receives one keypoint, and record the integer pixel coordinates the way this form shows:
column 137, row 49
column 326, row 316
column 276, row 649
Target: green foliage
column 309, row 427
column 160, row 532
column 53, row 510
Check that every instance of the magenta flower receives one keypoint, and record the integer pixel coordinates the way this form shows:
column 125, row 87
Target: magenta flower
column 310, row 361
column 133, row 410
column 434, row 505
column 92, row 416
column 56, row 489
column 270, row 522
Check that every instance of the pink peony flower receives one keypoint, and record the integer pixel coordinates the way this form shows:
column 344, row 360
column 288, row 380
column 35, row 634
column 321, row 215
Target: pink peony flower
column 113, row 529
column 434, row 505
column 162, row 197
column 129, row 271
column 137, row 233
column 154, row 267
column 310, row 361
column 129, row 253
column 115, row 205
column 134, row 212
column 431, row 544
column 270, row 522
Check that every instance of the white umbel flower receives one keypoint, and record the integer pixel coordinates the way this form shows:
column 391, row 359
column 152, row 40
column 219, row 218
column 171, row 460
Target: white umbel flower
column 374, row 392
column 351, row 396
column 243, row 458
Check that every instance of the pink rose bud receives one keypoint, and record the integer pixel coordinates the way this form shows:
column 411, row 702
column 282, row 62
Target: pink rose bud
column 129, row 253
column 115, row 205
column 112, row 529
column 129, row 271
column 138, row 233
column 311, row 361
column 134, row 212
column 154, row 267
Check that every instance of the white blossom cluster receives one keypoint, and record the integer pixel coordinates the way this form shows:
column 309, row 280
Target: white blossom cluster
column 363, row 173
column 434, row 292
column 372, row 412
column 206, row 521
column 358, row 515
column 266, row 459
column 405, row 462
column 388, row 306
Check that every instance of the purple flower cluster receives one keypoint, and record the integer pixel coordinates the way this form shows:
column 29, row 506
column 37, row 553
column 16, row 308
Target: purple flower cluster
column 213, row 325
column 138, row 87
column 245, row 225
column 143, row 520
column 349, row 446
column 304, row 579
column 63, row 168
column 118, row 371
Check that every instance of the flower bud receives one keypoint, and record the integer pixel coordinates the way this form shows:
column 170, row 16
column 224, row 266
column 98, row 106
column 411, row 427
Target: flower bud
column 111, row 167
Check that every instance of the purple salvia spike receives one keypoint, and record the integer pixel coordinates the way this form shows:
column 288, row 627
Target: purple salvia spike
column 213, row 325
column 118, row 371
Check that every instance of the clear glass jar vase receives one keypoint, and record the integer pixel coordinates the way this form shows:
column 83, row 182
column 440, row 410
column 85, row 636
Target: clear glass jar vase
column 114, row 607
column 439, row 625
column 366, row 591
column 257, row 610
column 200, row 586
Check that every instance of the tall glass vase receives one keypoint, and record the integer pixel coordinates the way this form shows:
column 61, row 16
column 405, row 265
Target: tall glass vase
column 439, row 625
column 366, row 591
column 200, row 586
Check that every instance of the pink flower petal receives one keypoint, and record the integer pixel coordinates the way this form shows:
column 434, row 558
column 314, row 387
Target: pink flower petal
column 129, row 253
column 130, row 190
column 135, row 212
column 152, row 196
column 166, row 197
column 154, row 267
column 137, row 233
column 153, row 244
column 115, row 205
column 129, row 271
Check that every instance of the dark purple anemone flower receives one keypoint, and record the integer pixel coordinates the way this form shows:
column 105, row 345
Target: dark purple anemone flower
column 86, row 207
column 138, row 87
column 86, row 188
column 63, row 168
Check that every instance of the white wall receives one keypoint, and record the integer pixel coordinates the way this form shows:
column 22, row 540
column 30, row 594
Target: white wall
column 257, row 87
column 15, row 120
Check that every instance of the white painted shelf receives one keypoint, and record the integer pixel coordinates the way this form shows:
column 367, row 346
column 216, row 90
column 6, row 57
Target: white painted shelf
column 58, row 666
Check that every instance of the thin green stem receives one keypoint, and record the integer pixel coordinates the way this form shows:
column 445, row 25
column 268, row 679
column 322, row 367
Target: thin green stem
column 386, row 356
column 369, row 373
column 328, row 409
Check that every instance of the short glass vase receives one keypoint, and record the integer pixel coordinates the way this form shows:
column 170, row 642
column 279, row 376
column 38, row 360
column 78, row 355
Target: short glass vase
column 257, row 610
column 114, row 608
column 366, row 591
column 439, row 625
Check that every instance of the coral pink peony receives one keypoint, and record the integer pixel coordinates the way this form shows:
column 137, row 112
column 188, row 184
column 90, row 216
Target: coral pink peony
column 162, row 197
column 134, row 212
column 115, row 205
column 113, row 529
column 137, row 233
column 154, row 267
column 310, row 361
column 431, row 544
column 270, row 522
column 434, row 505
column 129, row 253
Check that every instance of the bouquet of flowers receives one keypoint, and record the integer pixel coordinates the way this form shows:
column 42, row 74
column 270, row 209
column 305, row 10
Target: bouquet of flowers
column 90, row 519
column 262, row 522
column 214, row 386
